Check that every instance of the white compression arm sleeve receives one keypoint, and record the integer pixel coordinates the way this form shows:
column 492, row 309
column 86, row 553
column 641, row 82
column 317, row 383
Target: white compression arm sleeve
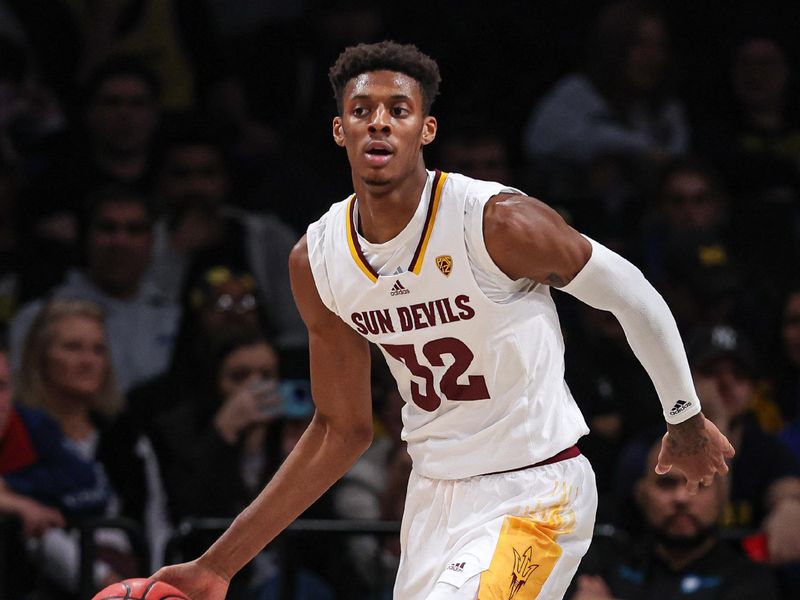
column 609, row 282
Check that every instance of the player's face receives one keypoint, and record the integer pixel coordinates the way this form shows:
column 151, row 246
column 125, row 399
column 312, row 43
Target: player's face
column 77, row 358
column 383, row 127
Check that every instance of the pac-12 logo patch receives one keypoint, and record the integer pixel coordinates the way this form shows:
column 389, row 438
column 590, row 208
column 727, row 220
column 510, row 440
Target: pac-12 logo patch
column 445, row 264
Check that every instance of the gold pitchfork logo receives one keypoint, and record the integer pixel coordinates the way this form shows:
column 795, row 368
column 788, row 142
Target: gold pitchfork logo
column 523, row 567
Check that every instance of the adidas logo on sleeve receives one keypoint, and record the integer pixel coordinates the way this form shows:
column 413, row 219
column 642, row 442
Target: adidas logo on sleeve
column 680, row 406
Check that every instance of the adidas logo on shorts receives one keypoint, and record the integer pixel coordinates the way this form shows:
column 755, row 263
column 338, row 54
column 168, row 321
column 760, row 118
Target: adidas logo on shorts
column 457, row 567
column 398, row 289
column 680, row 406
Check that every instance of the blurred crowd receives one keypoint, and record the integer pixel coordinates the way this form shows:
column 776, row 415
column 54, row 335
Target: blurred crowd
column 160, row 158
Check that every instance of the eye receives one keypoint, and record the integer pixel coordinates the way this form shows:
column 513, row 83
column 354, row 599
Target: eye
column 359, row 111
column 399, row 111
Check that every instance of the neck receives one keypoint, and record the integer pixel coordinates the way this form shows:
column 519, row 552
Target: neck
column 126, row 166
column 767, row 118
column 117, row 291
column 385, row 210
column 679, row 558
column 73, row 417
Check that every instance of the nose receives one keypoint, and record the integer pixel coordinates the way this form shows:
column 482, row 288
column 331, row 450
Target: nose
column 381, row 120
column 680, row 494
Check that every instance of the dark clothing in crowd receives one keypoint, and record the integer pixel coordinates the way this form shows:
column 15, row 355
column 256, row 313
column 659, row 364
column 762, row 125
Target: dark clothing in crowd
column 635, row 572
column 37, row 461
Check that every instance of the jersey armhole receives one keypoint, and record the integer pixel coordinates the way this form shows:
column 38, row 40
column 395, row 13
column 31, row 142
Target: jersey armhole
column 315, row 240
column 476, row 243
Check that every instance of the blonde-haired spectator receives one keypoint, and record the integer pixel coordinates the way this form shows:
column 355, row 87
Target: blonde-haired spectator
column 67, row 371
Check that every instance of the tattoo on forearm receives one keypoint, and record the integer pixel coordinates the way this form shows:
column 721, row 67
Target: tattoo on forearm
column 555, row 280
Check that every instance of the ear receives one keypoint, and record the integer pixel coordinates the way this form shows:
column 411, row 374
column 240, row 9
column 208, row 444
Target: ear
column 338, row 131
column 429, row 128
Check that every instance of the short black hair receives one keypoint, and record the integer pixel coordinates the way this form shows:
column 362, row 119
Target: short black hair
column 110, row 192
column 386, row 56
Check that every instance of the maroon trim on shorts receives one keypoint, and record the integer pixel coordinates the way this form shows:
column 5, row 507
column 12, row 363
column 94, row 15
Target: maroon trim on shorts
column 570, row 452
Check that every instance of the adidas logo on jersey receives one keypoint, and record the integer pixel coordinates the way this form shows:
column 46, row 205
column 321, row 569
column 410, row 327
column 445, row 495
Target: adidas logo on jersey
column 680, row 406
column 457, row 567
column 398, row 289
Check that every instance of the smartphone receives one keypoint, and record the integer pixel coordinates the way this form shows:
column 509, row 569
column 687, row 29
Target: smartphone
column 296, row 398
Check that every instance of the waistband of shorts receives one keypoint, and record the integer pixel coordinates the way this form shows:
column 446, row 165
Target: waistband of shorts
column 570, row 452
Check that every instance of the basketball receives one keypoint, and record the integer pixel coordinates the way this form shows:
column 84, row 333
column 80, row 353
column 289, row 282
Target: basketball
column 140, row 589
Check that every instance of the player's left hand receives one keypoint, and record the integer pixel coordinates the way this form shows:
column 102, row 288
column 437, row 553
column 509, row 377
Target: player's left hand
column 697, row 448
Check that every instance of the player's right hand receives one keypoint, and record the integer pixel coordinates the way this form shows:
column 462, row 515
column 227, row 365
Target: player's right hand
column 696, row 447
column 195, row 580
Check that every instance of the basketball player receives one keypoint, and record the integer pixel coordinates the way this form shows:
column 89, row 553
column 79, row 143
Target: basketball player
column 451, row 278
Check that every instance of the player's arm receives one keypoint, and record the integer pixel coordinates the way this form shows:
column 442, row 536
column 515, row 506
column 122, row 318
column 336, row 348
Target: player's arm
column 340, row 431
column 526, row 238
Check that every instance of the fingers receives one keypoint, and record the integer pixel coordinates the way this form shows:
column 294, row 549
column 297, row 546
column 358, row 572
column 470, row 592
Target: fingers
column 729, row 450
column 663, row 468
column 663, row 465
column 692, row 486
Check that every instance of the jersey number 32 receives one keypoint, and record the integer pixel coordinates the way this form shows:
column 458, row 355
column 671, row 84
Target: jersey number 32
column 433, row 351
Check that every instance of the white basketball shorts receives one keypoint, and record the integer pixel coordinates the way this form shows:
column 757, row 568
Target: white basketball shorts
column 517, row 535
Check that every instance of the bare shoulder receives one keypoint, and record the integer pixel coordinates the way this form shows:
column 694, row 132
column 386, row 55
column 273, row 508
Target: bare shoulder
column 298, row 257
column 527, row 238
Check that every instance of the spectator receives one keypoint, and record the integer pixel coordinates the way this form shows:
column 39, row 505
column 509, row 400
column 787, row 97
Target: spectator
column 756, row 142
column 141, row 320
column 688, row 248
column 28, row 111
column 66, row 371
column 111, row 144
column 42, row 483
column 155, row 31
column 599, row 136
column 756, row 138
column 786, row 376
column 765, row 477
column 477, row 151
column 11, row 258
column 682, row 555
column 194, row 185
column 220, row 296
column 220, row 447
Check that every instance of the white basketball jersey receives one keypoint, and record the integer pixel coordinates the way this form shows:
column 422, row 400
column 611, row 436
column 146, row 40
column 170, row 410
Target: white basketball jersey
column 483, row 382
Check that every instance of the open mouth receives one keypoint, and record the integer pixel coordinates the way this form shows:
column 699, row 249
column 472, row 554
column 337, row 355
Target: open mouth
column 378, row 154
